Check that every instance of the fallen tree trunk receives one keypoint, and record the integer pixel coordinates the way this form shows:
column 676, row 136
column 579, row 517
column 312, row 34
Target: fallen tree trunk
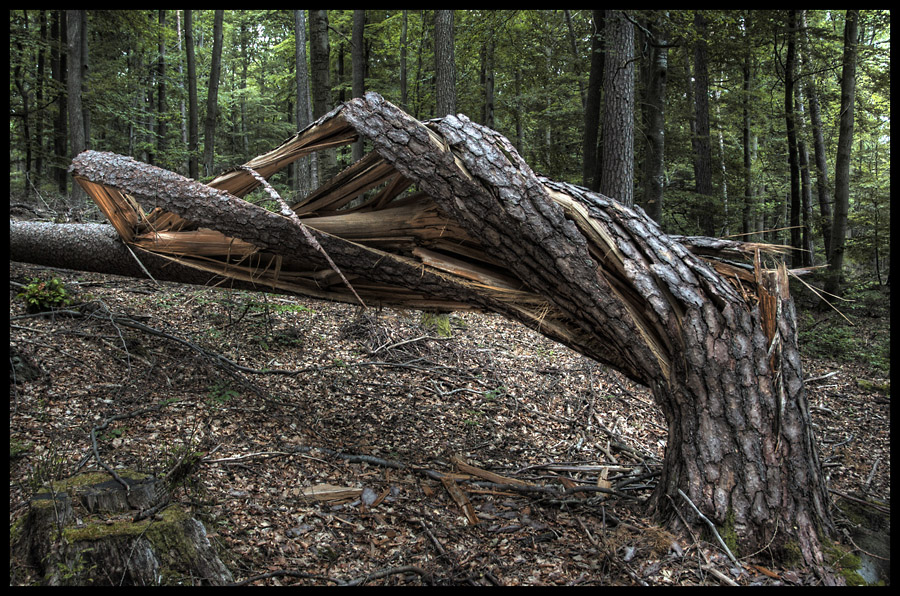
column 716, row 342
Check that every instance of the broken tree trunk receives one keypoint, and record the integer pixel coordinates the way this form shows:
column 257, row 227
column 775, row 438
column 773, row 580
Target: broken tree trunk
column 715, row 341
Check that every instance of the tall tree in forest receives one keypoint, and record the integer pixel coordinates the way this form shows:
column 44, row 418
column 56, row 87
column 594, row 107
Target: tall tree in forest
column 790, row 124
column 702, row 153
column 320, row 83
column 748, row 136
column 358, row 59
column 404, row 83
column 656, row 68
column 59, row 69
column 444, row 63
column 304, row 178
column 75, row 43
column 212, row 97
column 823, row 187
column 617, row 162
column 590, row 174
column 193, row 115
column 842, row 162
column 161, row 88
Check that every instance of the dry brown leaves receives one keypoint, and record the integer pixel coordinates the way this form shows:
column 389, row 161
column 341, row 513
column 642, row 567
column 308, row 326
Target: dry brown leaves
column 282, row 495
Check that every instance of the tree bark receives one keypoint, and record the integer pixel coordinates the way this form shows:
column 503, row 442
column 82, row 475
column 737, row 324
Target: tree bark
column 358, row 60
column 582, row 269
column 74, row 84
column 791, row 127
column 842, row 162
column 590, row 175
column 617, row 177
column 444, row 63
column 700, row 134
column 193, row 118
column 212, row 105
column 654, row 110
column 320, row 82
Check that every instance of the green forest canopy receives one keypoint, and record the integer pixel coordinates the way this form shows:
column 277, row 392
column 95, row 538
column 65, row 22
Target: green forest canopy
column 535, row 67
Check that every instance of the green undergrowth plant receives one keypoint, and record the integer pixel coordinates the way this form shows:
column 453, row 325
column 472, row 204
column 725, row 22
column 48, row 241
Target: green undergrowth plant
column 43, row 295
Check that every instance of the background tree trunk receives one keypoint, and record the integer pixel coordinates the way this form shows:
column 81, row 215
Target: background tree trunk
column 320, row 82
column 212, row 103
column 444, row 63
column 193, row 117
column 304, row 177
column 74, row 36
column 617, row 178
column 791, row 127
column 590, row 176
column 842, row 163
column 654, row 110
column 700, row 134
column 358, row 58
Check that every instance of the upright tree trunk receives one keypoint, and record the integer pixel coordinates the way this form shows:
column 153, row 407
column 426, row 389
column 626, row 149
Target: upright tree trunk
column 212, row 97
column 59, row 68
column 74, row 80
column 842, row 163
column 700, row 135
column 193, row 115
column 748, row 215
column 791, row 127
column 590, row 175
column 358, row 59
column 320, row 82
column 161, row 88
column 304, row 178
column 654, row 111
column 444, row 63
column 823, row 187
column 617, row 178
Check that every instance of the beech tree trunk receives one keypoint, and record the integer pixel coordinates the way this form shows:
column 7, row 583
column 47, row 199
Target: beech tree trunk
column 484, row 231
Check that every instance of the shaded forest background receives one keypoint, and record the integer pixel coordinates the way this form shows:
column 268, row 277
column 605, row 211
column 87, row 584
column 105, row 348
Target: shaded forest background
column 765, row 125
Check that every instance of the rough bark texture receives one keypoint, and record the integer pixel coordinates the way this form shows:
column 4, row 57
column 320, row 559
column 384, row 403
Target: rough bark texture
column 485, row 231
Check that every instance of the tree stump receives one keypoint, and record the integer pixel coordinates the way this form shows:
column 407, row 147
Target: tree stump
column 87, row 531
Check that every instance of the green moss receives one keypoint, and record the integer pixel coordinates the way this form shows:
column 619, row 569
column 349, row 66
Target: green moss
column 728, row 532
column 844, row 562
column 438, row 322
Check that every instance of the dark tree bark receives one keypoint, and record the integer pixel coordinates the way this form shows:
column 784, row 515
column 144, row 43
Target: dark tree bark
column 748, row 213
column 791, row 127
column 823, row 187
column 59, row 68
column 161, row 88
column 212, row 104
column 617, row 164
column 654, row 110
column 842, row 162
column 320, row 82
column 193, row 117
column 700, row 133
column 590, row 176
column 444, row 63
column 74, row 85
column 358, row 59
column 304, row 178
column 579, row 267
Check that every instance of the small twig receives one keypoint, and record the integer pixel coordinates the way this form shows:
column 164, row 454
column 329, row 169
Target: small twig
column 712, row 527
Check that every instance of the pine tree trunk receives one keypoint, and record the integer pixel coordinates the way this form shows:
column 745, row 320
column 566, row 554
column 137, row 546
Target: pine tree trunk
column 578, row 267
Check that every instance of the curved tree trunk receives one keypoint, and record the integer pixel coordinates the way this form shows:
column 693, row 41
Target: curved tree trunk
column 486, row 232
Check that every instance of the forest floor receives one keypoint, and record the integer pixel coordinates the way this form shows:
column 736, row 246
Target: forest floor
column 332, row 472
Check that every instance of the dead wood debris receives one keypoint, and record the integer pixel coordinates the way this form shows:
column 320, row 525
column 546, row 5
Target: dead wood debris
column 548, row 453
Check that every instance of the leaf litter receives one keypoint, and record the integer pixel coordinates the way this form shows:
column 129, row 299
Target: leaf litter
column 363, row 447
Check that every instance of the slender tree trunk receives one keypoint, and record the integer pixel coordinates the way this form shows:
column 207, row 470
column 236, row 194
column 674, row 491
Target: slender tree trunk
column 444, row 63
column 617, row 179
column 358, row 58
column 823, row 186
column 212, row 101
column 193, row 115
column 590, row 174
column 791, row 127
column 304, row 180
column 404, row 84
column 655, row 118
column 748, row 216
column 75, row 91
column 59, row 68
column 320, row 82
column 161, row 89
column 700, row 137
column 842, row 163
